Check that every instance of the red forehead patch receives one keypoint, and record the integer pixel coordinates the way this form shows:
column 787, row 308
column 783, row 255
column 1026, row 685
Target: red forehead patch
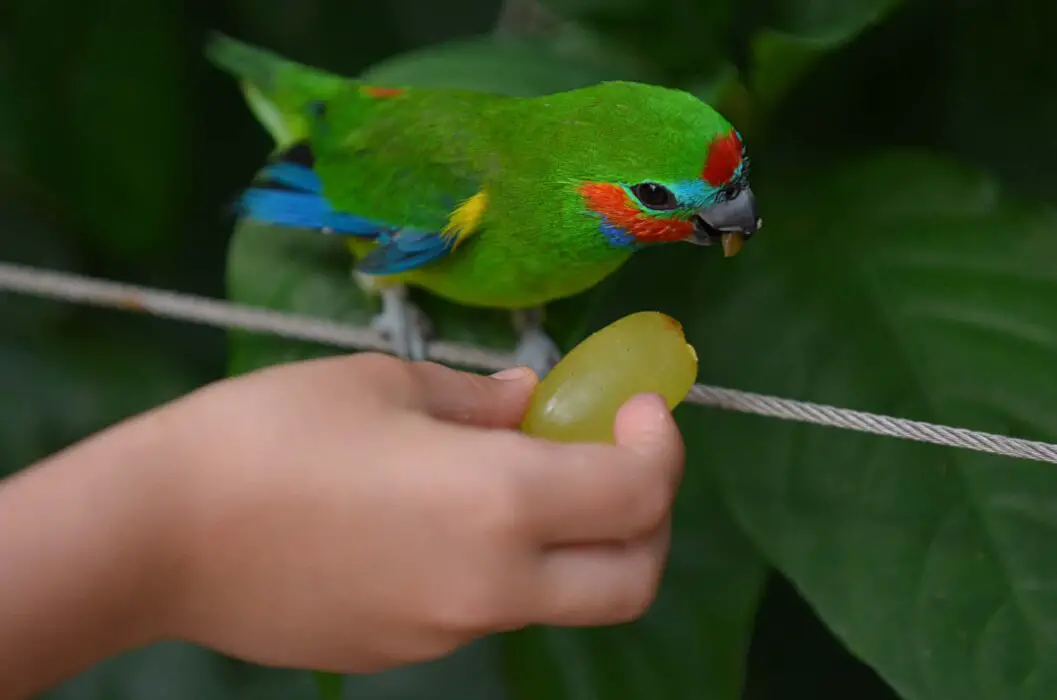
column 380, row 93
column 724, row 155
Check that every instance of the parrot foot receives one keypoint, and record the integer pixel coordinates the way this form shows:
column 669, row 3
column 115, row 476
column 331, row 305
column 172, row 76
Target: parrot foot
column 403, row 324
column 535, row 349
column 369, row 284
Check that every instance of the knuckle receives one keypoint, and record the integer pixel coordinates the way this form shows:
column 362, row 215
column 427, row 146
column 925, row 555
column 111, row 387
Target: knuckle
column 480, row 393
column 651, row 504
column 468, row 606
column 390, row 374
column 381, row 367
column 477, row 596
column 379, row 362
column 498, row 509
column 641, row 589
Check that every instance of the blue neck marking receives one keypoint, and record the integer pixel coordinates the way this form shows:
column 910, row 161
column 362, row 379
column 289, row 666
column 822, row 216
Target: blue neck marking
column 616, row 236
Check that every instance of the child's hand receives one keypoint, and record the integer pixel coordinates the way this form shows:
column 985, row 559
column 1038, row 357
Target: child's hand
column 347, row 514
column 354, row 513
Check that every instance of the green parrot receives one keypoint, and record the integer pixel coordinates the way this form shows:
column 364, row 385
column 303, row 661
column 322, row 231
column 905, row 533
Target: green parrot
column 488, row 200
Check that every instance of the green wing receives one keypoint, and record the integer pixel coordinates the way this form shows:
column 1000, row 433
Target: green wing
column 411, row 158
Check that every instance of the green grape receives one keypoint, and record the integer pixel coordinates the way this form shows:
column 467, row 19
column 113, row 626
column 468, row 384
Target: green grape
column 578, row 400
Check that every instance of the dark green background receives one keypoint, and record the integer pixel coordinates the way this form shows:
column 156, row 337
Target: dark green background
column 905, row 161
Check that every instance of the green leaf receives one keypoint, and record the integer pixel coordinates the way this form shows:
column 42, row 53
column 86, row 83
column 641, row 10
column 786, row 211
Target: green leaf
column 425, row 22
column 992, row 118
column 691, row 645
column 102, row 102
column 794, row 655
column 335, row 35
column 581, row 8
column 30, row 239
column 9, row 136
column 799, row 32
column 687, row 39
column 907, row 285
column 471, row 673
column 178, row 671
column 60, row 388
column 522, row 67
column 328, row 685
column 306, row 273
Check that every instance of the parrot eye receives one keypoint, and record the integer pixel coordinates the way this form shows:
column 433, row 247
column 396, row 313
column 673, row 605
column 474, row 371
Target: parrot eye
column 655, row 196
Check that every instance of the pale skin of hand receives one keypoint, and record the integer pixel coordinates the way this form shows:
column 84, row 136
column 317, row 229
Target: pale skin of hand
column 349, row 514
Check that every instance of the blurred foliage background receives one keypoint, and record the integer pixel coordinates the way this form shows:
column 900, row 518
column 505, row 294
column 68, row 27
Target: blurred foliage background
column 906, row 165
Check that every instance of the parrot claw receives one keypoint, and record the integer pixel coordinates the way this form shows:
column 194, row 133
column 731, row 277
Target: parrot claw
column 403, row 324
column 535, row 349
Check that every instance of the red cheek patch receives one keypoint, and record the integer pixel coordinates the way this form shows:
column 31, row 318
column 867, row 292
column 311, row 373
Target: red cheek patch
column 724, row 156
column 613, row 204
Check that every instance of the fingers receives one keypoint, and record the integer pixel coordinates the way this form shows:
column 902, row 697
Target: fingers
column 576, row 494
column 604, row 513
column 580, row 531
column 645, row 426
column 498, row 401
column 599, row 584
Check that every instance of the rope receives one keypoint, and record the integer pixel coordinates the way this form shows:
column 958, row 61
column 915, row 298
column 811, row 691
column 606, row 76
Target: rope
column 222, row 314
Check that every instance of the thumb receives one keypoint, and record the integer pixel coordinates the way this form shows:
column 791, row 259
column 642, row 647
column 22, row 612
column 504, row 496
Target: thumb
column 498, row 401
column 645, row 426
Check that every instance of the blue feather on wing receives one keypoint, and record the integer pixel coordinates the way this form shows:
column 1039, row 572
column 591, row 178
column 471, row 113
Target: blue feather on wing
column 405, row 250
column 290, row 194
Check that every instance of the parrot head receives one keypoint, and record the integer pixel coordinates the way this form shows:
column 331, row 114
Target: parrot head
column 655, row 165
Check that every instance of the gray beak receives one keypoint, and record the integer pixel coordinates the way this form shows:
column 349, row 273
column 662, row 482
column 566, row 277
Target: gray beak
column 731, row 222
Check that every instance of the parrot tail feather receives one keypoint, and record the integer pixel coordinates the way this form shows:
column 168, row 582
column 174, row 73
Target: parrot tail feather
column 288, row 192
column 278, row 91
column 263, row 68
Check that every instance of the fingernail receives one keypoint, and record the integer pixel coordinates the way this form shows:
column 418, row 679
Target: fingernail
column 513, row 373
column 654, row 406
column 650, row 411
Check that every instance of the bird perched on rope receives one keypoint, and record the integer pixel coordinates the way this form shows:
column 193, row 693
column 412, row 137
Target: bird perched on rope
column 489, row 200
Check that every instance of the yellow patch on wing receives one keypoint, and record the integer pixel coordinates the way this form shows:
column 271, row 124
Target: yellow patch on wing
column 359, row 247
column 466, row 218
